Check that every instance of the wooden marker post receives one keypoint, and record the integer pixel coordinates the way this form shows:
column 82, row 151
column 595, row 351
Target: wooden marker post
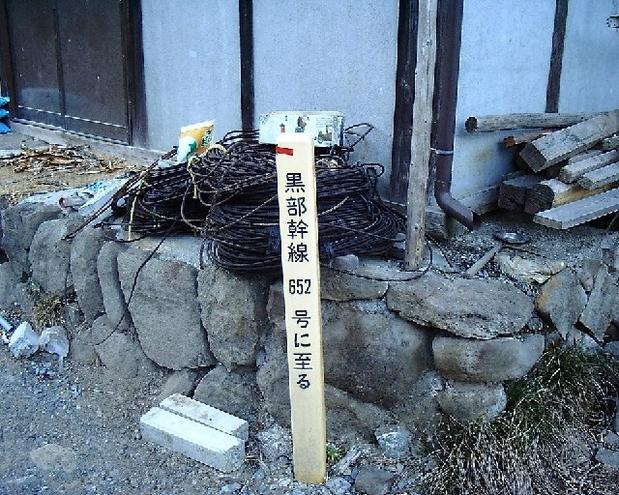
column 298, row 223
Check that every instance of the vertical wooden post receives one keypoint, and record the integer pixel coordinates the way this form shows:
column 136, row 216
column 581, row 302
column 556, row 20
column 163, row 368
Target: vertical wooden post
column 298, row 224
column 422, row 131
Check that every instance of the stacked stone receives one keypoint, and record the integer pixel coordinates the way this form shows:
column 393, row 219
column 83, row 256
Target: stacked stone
column 383, row 341
column 481, row 347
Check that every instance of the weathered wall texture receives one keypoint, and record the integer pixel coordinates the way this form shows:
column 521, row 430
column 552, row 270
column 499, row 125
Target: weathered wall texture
column 504, row 63
column 191, row 67
column 590, row 78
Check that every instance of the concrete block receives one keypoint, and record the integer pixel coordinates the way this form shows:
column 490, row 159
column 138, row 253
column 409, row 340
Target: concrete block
column 206, row 415
column 202, row 443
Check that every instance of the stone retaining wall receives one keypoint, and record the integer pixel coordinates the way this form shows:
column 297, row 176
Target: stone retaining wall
column 398, row 351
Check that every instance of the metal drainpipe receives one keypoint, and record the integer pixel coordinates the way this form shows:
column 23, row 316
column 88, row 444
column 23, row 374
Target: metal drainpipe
column 449, row 31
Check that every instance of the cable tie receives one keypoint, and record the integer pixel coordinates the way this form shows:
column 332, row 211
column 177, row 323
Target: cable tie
column 442, row 152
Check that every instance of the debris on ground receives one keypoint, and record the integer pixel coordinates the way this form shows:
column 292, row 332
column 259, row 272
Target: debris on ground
column 54, row 340
column 24, row 341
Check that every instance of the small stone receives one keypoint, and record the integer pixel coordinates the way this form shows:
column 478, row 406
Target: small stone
column 394, row 440
column 52, row 457
column 24, row 342
column 612, row 439
column 531, row 269
column 610, row 253
column 612, row 348
column 350, row 262
column 561, row 301
column 598, row 312
column 231, row 488
column 492, row 307
column 54, row 340
column 338, row 486
column 373, row 481
column 274, row 443
column 179, row 382
column 343, row 466
column 497, row 360
column 473, row 401
column 608, row 457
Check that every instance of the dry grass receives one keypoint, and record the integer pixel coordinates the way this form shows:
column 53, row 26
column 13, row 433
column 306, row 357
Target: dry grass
column 47, row 308
column 542, row 443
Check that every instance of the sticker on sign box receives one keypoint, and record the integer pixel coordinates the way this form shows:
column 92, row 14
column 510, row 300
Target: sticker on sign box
column 327, row 128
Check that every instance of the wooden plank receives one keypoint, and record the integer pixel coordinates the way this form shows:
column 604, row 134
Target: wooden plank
column 522, row 139
column 572, row 171
column 581, row 211
column 489, row 123
column 296, row 190
column 553, row 192
column 560, row 145
column 422, row 133
column 600, row 177
column 610, row 142
column 513, row 192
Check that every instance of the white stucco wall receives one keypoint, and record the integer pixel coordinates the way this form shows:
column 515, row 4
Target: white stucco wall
column 191, row 67
column 325, row 55
column 590, row 76
column 504, row 63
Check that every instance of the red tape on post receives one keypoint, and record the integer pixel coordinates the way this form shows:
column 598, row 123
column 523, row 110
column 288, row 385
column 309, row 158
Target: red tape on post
column 284, row 151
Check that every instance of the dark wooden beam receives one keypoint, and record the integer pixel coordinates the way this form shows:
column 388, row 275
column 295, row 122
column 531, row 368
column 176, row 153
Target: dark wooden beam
column 404, row 98
column 134, row 72
column 6, row 62
column 246, row 22
column 553, row 89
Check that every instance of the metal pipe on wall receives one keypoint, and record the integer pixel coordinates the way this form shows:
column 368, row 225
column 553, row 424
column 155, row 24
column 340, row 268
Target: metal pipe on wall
column 449, row 31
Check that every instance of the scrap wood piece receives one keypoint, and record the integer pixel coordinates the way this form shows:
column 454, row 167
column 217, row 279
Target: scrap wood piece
column 581, row 211
column 573, row 171
column 513, row 192
column 600, row 177
column 488, row 123
column 553, row 192
column 522, row 139
column 560, row 145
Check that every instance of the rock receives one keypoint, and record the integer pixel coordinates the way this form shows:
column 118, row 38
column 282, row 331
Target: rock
column 82, row 348
column 338, row 486
column 54, row 340
column 275, row 442
column 8, row 286
column 84, row 252
column 373, row 481
column 348, row 263
column 344, row 465
column 348, row 419
column 230, row 488
column 610, row 253
column 50, row 254
column 473, row 401
column 24, row 342
column 52, row 457
column 395, row 441
column 533, row 269
column 598, row 312
column 20, row 223
column 471, row 308
column 109, row 284
column 612, row 348
column 233, row 309
column 616, row 421
column 25, row 300
column 233, row 392
column 372, row 341
column 587, row 272
column 497, row 360
column 179, row 382
column 607, row 457
column 121, row 353
column 339, row 286
column 164, row 310
column 73, row 318
column 612, row 439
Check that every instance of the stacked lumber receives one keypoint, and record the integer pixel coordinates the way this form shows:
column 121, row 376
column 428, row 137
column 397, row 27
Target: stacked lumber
column 570, row 167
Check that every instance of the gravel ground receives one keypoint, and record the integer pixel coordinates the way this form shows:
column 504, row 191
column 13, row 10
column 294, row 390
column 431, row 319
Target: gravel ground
column 89, row 420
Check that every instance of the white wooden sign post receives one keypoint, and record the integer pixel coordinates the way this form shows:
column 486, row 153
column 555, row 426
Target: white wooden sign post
column 298, row 223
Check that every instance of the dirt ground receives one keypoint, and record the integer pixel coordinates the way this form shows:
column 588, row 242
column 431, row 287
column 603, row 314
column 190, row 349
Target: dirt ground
column 91, row 418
